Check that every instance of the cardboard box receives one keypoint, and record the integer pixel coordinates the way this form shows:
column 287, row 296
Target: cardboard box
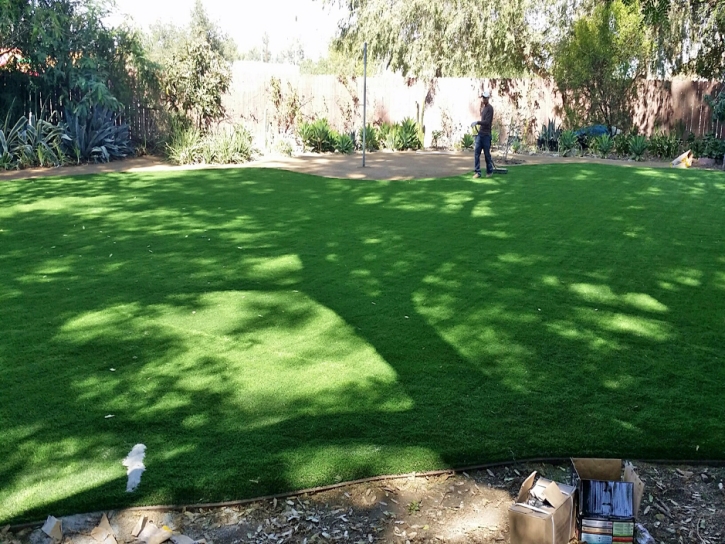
column 610, row 494
column 550, row 521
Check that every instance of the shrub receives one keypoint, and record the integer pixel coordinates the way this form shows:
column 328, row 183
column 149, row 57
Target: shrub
column 621, row 145
column 10, row 142
column 663, row 146
column 386, row 138
column 99, row 136
column 283, row 147
column 637, row 146
column 226, row 145
column 343, row 143
column 549, row 136
column 603, row 145
column 495, row 136
column 467, row 141
column 26, row 143
column 408, row 136
column 317, row 136
column 184, row 145
column 371, row 138
column 708, row 147
column 567, row 142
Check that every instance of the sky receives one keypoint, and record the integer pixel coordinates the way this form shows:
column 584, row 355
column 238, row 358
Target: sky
column 247, row 20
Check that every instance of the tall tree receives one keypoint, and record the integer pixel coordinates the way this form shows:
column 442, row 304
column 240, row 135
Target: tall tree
column 599, row 62
column 202, row 26
column 444, row 38
column 196, row 66
column 63, row 51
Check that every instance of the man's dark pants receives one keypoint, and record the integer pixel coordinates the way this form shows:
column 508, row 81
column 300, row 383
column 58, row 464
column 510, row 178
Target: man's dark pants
column 483, row 142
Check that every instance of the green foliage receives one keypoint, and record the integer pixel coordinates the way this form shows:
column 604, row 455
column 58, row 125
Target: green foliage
column 549, row 136
column 708, row 147
column 194, row 82
column 495, row 136
column 10, row 142
column 637, row 146
column 467, row 141
column 98, row 136
column 598, row 63
column 717, row 103
column 386, row 135
column 225, row 145
column 67, row 54
column 621, row 145
column 208, row 31
column 567, row 143
column 283, row 147
column 603, row 145
column 336, row 63
column 185, row 145
column 664, row 146
column 27, row 143
column 408, row 136
column 452, row 38
column 317, row 136
column 343, row 143
column 371, row 138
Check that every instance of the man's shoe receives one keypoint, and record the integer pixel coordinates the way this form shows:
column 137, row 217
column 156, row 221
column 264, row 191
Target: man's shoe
column 487, row 175
column 476, row 175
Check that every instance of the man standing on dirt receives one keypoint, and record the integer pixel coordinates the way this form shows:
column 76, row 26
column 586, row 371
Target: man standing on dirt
column 483, row 140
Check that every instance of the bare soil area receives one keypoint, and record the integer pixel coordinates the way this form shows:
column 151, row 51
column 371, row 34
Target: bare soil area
column 380, row 165
column 682, row 504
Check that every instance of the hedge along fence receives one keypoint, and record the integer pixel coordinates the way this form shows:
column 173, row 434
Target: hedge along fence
column 448, row 105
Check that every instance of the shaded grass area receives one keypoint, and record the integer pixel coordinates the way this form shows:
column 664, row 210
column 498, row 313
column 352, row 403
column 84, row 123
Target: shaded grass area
column 271, row 331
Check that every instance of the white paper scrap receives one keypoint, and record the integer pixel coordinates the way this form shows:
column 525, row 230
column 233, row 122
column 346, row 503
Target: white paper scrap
column 134, row 466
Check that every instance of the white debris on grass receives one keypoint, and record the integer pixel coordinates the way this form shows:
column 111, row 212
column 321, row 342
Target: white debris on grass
column 134, row 466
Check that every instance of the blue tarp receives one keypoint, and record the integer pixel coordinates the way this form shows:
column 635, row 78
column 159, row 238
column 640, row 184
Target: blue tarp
column 593, row 131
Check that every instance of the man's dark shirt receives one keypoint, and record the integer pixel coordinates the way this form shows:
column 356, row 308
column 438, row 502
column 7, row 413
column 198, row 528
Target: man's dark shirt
column 484, row 125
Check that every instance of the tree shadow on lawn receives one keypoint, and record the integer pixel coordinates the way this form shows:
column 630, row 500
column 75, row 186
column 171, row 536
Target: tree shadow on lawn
column 272, row 331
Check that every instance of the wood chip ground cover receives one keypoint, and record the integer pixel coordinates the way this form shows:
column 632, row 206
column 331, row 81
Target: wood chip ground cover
column 682, row 504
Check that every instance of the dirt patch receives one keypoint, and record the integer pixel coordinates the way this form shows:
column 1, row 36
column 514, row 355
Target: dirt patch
column 682, row 504
column 380, row 165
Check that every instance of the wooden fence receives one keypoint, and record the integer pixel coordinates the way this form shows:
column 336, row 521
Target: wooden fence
column 448, row 105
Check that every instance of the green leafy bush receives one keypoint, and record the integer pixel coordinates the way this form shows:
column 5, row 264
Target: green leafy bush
column 27, row 143
column 708, row 147
column 603, row 145
column 98, row 136
column 495, row 136
column 467, row 141
column 9, row 143
column 637, row 146
column 621, row 145
column 317, row 136
column 549, row 136
column 386, row 136
column 343, row 143
column 226, row 145
column 371, row 138
column 185, row 145
column 409, row 136
column 664, row 146
column 567, row 142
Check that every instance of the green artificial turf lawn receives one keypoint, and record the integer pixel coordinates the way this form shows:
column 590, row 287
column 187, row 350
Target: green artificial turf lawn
column 272, row 331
